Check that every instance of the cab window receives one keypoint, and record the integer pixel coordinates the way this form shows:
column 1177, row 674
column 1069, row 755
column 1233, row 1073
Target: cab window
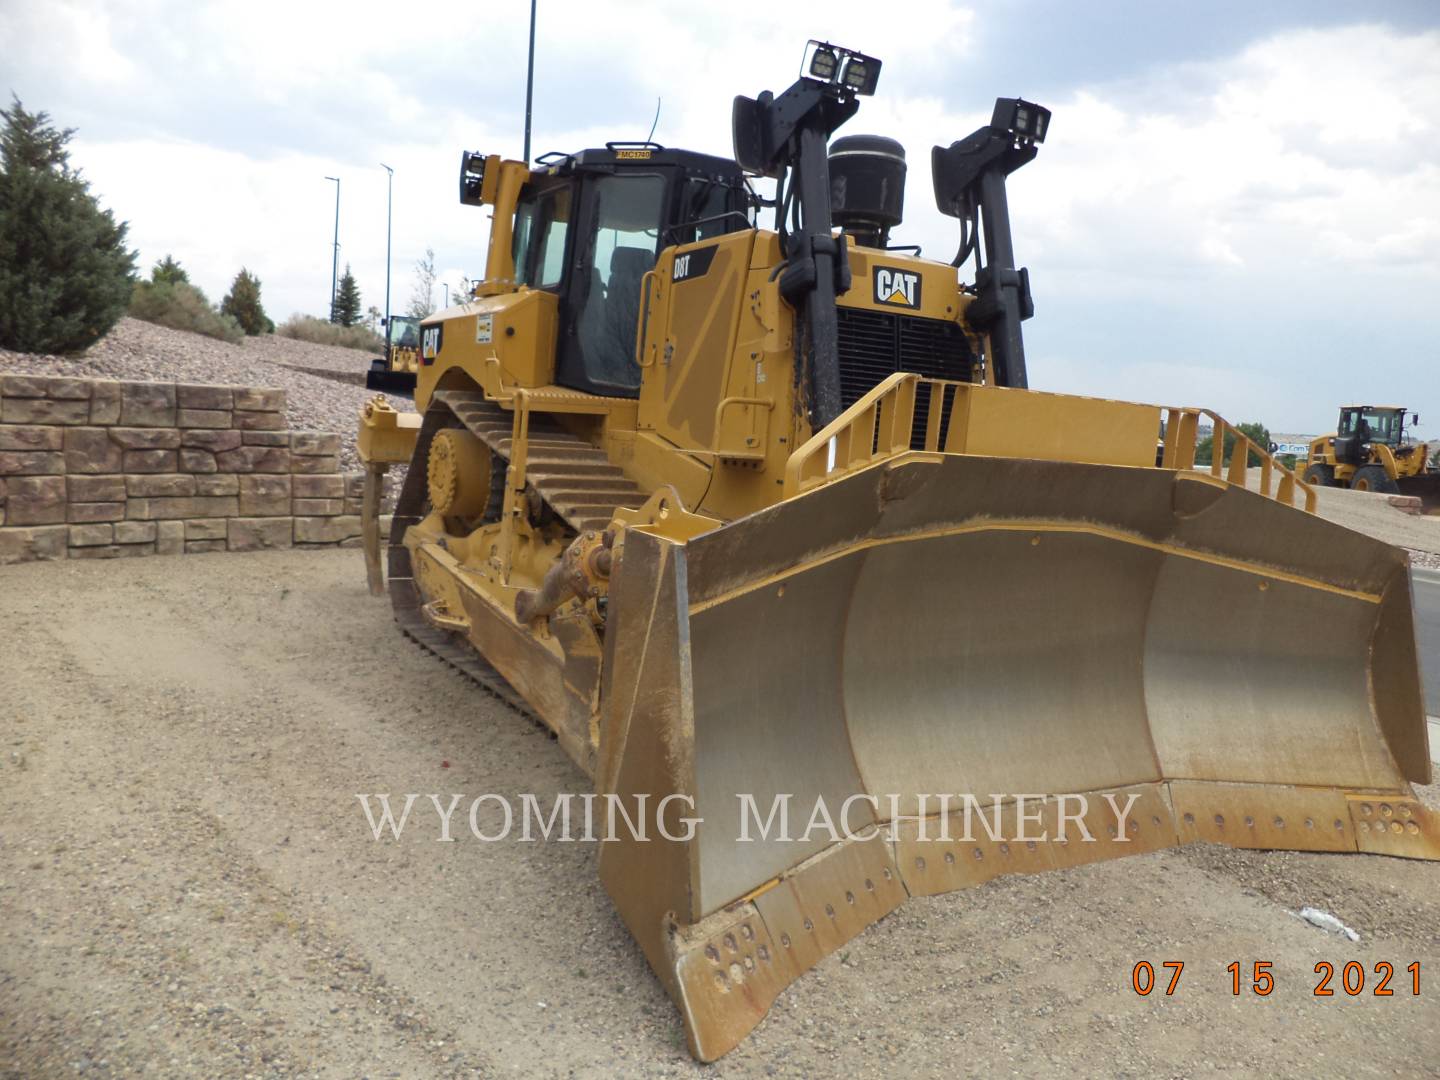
column 538, row 242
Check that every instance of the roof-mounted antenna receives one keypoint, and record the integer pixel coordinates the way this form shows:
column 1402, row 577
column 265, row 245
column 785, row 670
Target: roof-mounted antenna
column 654, row 123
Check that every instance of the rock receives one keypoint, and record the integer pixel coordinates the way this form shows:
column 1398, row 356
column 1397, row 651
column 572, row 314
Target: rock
column 266, row 438
column 205, row 530
column 17, row 463
column 258, row 421
column 170, row 537
column 197, row 461
column 160, row 484
column 91, row 535
column 145, row 438
column 249, row 397
column 35, row 500
column 318, row 487
column 313, row 443
column 253, row 534
column 105, row 402
column 44, row 386
column 90, row 450
column 95, row 488
column 201, row 396
column 326, row 530
column 196, row 506
column 78, row 512
column 203, row 418
column 16, row 410
column 214, row 441
column 136, row 532
column 268, row 459
column 151, row 461
column 33, row 545
column 147, row 404
column 196, row 547
column 319, row 507
column 219, row 484
column 315, row 464
column 30, row 438
column 264, row 495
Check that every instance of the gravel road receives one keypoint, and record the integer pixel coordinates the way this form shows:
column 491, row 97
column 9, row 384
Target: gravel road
column 188, row 885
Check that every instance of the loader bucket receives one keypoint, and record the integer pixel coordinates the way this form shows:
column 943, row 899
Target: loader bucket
column 1025, row 633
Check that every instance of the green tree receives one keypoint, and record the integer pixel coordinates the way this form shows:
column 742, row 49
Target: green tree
column 1254, row 431
column 347, row 300
column 65, row 272
column 167, row 271
column 422, row 299
column 243, row 304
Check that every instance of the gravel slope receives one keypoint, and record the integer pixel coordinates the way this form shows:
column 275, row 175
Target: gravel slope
column 144, row 351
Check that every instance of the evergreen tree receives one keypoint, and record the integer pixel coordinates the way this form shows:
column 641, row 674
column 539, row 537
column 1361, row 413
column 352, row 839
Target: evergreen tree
column 243, row 304
column 65, row 272
column 347, row 300
column 167, row 271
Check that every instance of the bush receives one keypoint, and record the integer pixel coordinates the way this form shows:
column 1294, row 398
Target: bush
column 65, row 271
column 1256, row 432
column 167, row 271
column 243, row 304
column 321, row 332
column 182, row 307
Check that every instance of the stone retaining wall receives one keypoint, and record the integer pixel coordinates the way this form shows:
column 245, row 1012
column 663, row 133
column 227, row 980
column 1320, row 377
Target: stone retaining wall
column 92, row 468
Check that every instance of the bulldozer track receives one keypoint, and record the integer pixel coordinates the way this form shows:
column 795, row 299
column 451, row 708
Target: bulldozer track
column 574, row 478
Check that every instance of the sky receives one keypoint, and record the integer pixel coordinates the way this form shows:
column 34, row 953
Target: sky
column 1237, row 206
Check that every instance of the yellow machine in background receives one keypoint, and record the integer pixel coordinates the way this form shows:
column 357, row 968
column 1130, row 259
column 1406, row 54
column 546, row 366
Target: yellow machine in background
column 1370, row 452
column 757, row 514
column 397, row 368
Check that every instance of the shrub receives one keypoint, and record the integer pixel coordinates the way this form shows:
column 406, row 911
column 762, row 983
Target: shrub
column 1256, row 432
column 65, row 271
column 182, row 307
column 167, row 271
column 243, row 305
column 321, row 332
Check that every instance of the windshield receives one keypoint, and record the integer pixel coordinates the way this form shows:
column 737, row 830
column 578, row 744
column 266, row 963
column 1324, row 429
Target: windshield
column 1373, row 425
column 404, row 332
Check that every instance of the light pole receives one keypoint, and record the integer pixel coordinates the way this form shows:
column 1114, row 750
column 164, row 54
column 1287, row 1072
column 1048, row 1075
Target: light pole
column 389, row 202
column 446, row 285
column 529, row 82
column 335, row 260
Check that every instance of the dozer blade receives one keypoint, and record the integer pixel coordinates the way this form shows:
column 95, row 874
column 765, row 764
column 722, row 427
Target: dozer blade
column 988, row 627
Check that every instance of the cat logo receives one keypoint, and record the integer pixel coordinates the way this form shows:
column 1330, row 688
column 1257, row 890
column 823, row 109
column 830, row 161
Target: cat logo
column 897, row 288
column 430, row 343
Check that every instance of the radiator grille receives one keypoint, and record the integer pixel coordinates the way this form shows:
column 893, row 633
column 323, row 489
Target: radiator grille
column 874, row 344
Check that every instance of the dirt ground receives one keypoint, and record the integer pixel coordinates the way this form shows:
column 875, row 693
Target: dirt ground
column 188, row 885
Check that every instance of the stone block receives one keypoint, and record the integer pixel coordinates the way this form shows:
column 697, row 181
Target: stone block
column 147, row 404
column 105, row 402
column 254, row 534
column 145, row 438
column 318, row 487
column 219, row 484
column 35, row 500
column 91, row 535
column 353, row 506
column 246, row 459
column 166, row 484
column 193, row 506
column 314, row 464
column 251, row 397
column 351, row 542
column 90, row 450
column 151, row 461
column 313, row 443
column 30, row 438
column 17, row 410
column 257, row 421
column 197, row 461
column 214, row 441
column 170, row 538
column 203, row 418
column 95, row 488
column 213, row 529
column 198, row 547
column 137, row 509
column 112, row 551
column 136, row 532
column 354, row 484
column 319, row 507
column 326, row 530
column 264, row 495
column 33, row 545
column 83, row 512
column 45, row 386
column 200, row 396
column 266, row 438
column 19, row 463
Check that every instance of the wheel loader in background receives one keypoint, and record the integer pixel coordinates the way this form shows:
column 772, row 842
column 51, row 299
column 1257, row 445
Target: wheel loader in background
column 768, row 518
column 395, row 371
column 1370, row 452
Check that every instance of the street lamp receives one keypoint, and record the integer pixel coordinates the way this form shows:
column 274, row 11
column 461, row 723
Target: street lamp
column 446, row 284
column 335, row 261
column 389, row 193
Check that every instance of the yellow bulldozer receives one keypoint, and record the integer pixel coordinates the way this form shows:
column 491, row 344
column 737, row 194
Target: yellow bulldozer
column 1370, row 451
column 766, row 522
